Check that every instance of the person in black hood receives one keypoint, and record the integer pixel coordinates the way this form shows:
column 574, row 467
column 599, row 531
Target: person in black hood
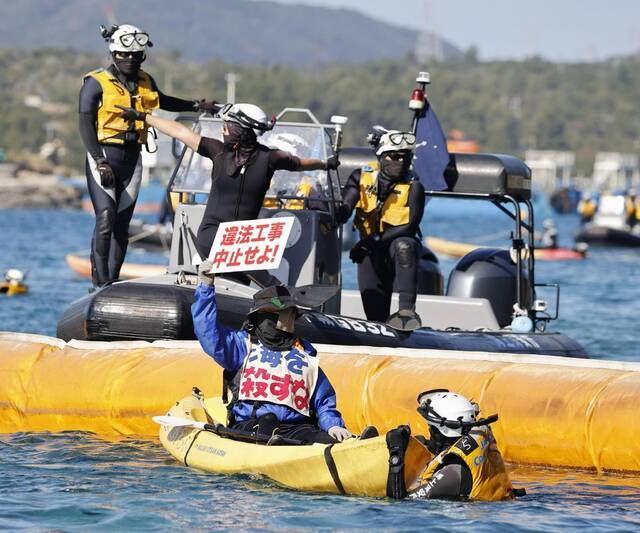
column 242, row 167
column 277, row 385
column 389, row 204
column 113, row 164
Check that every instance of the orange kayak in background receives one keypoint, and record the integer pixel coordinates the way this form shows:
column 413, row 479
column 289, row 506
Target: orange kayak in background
column 459, row 249
column 82, row 267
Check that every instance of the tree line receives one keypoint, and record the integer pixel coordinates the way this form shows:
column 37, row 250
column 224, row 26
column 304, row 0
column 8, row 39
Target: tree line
column 507, row 106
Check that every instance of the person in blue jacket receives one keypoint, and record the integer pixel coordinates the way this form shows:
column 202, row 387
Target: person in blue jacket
column 276, row 383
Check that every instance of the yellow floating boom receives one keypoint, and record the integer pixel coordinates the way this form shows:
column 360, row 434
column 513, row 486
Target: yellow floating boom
column 553, row 411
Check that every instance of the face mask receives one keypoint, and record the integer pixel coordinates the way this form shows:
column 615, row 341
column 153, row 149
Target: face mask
column 129, row 66
column 264, row 326
column 438, row 442
column 394, row 169
column 237, row 136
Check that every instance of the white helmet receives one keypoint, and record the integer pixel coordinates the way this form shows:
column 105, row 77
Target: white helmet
column 127, row 38
column 447, row 411
column 15, row 275
column 395, row 140
column 248, row 116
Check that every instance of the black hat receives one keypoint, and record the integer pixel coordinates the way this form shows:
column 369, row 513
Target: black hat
column 280, row 297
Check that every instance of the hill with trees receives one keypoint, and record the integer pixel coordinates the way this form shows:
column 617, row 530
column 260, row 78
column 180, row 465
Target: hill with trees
column 237, row 31
column 506, row 106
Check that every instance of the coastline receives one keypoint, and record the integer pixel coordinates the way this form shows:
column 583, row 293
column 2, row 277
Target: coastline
column 31, row 189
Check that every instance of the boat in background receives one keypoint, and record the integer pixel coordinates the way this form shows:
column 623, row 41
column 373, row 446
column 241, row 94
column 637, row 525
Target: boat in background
column 82, row 266
column 460, row 249
column 610, row 224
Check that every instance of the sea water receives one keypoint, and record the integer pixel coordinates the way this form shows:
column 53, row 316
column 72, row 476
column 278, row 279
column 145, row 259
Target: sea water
column 76, row 481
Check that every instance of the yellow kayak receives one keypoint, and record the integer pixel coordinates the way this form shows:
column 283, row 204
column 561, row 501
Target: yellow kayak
column 361, row 466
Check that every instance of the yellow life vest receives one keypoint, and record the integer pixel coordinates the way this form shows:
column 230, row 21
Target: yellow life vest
column 480, row 453
column 110, row 127
column 369, row 218
column 586, row 208
column 304, row 191
column 629, row 206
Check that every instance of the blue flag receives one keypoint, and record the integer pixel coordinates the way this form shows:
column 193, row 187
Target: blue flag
column 431, row 156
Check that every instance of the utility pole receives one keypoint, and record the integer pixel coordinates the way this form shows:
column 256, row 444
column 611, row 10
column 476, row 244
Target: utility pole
column 232, row 78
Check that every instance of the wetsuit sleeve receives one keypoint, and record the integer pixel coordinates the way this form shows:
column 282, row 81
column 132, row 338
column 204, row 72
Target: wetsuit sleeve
column 171, row 103
column 227, row 346
column 281, row 160
column 452, row 480
column 88, row 103
column 351, row 191
column 209, row 147
column 416, row 210
column 324, row 404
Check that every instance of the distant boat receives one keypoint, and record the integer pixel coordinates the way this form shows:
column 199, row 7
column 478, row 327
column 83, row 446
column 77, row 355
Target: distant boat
column 82, row 266
column 610, row 224
column 460, row 249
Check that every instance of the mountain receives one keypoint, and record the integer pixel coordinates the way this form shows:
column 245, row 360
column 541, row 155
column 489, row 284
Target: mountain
column 236, row 31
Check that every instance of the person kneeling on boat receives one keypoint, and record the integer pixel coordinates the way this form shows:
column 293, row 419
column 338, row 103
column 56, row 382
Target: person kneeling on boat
column 467, row 461
column 389, row 204
column 276, row 383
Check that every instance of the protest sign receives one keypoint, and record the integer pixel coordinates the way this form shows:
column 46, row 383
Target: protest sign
column 247, row 245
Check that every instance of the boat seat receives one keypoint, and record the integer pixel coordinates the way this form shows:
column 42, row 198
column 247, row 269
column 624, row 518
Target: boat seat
column 437, row 312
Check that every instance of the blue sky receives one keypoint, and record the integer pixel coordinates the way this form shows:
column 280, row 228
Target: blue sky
column 560, row 30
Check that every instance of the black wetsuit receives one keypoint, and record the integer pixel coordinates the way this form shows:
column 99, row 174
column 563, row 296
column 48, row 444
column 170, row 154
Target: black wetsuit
column 237, row 193
column 114, row 206
column 452, row 480
column 393, row 264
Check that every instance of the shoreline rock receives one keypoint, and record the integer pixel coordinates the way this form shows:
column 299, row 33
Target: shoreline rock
column 37, row 190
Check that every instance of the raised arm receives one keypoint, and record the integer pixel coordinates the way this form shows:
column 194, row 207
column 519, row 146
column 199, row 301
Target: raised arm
column 318, row 164
column 175, row 129
column 168, row 127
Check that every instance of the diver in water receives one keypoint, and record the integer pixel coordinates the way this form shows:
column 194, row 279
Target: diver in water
column 466, row 463
column 389, row 204
column 274, row 376
column 113, row 165
column 242, row 167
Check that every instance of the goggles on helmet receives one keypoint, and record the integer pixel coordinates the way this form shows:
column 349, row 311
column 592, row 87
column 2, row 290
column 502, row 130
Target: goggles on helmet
column 128, row 39
column 402, row 137
column 245, row 120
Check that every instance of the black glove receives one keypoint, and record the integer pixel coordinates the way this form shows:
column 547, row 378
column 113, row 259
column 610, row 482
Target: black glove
column 206, row 106
column 363, row 248
column 129, row 113
column 107, row 177
column 332, row 163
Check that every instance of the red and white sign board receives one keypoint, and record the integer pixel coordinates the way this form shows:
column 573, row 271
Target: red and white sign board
column 247, row 245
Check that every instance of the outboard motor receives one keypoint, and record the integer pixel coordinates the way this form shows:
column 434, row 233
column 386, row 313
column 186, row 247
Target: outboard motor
column 489, row 273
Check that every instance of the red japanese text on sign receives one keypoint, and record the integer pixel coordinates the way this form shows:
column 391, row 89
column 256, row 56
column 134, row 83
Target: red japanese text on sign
column 246, row 245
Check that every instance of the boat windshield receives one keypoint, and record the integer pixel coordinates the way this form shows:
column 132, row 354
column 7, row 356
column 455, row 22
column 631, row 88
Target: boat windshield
column 304, row 140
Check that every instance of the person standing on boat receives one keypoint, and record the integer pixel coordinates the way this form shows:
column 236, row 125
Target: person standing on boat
column 113, row 164
column 242, row 167
column 389, row 204
column 466, row 463
column 274, row 376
